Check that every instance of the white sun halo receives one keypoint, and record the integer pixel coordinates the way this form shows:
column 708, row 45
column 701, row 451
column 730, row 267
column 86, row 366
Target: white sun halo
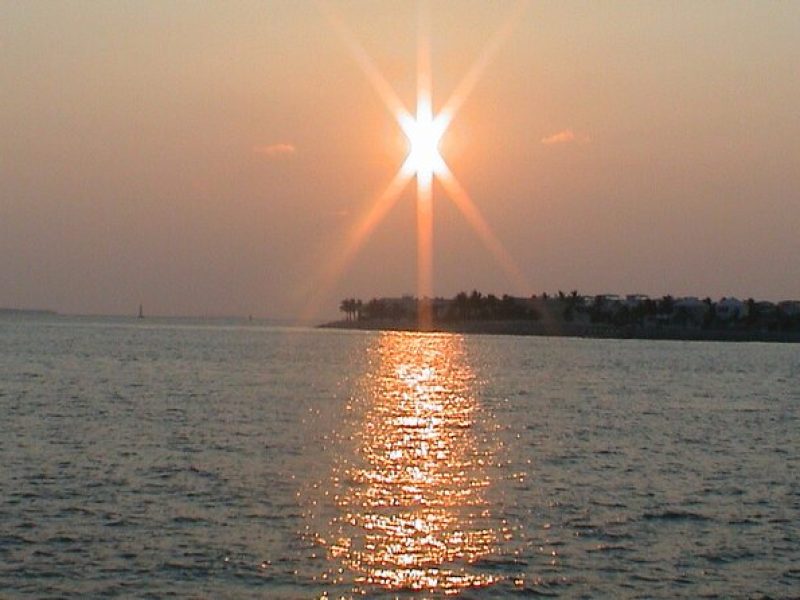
column 424, row 134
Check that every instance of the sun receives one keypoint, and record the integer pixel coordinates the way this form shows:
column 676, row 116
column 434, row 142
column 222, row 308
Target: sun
column 424, row 134
column 424, row 131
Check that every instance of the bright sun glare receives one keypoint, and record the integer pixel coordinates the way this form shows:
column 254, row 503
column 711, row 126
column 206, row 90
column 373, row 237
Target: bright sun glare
column 424, row 161
column 424, row 134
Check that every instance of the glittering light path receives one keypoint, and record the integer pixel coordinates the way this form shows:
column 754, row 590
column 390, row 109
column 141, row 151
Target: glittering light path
column 412, row 511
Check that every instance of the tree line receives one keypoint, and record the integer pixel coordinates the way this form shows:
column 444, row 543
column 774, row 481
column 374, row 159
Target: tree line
column 572, row 306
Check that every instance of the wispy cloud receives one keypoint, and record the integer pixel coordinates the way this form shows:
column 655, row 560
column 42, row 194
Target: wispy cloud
column 565, row 137
column 276, row 150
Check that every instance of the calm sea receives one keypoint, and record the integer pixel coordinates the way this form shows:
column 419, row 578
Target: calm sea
column 174, row 458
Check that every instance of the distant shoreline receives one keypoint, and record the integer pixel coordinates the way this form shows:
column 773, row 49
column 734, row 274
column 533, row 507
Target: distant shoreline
column 27, row 312
column 563, row 329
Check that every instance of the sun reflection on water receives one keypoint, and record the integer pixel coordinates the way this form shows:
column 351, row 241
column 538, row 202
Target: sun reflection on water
column 412, row 512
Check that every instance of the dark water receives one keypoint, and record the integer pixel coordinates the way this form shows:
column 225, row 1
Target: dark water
column 190, row 459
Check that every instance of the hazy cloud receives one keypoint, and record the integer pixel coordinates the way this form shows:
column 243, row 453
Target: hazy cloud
column 565, row 137
column 276, row 150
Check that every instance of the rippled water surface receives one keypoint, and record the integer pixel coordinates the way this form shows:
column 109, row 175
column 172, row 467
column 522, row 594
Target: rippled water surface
column 184, row 458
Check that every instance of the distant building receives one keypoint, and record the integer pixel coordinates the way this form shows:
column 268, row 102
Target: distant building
column 731, row 309
column 635, row 300
column 607, row 302
column 766, row 308
column 690, row 310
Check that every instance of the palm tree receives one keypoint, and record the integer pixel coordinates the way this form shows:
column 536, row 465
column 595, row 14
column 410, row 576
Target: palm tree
column 666, row 305
column 374, row 309
column 711, row 313
column 475, row 302
column 508, row 307
column 752, row 311
column 492, row 303
column 462, row 305
column 572, row 302
column 352, row 308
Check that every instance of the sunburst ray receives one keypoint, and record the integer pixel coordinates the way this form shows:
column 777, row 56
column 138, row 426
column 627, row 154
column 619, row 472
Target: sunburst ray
column 423, row 162
column 467, row 84
column 358, row 235
column 427, row 152
column 472, row 214
column 374, row 76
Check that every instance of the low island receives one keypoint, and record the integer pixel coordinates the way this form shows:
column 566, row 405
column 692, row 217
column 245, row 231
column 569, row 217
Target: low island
column 635, row 316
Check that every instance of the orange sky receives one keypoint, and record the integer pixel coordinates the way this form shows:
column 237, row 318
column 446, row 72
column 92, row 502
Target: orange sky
column 208, row 159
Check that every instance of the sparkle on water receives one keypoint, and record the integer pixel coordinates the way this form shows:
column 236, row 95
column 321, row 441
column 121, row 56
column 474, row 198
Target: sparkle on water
column 412, row 508
column 186, row 457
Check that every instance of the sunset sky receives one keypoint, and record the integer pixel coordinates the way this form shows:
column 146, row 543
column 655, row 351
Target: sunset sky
column 206, row 158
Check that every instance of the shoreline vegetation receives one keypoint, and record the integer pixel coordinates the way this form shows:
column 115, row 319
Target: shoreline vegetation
column 634, row 316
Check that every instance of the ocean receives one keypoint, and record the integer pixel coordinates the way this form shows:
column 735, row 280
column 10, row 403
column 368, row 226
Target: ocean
column 186, row 458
